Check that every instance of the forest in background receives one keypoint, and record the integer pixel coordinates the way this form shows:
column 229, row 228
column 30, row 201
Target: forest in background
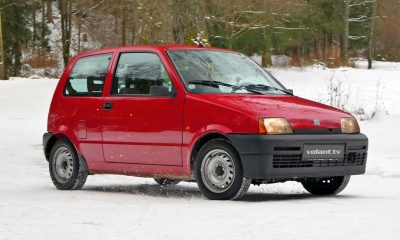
column 47, row 33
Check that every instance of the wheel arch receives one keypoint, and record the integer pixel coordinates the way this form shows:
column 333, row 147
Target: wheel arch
column 58, row 136
column 51, row 141
column 203, row 140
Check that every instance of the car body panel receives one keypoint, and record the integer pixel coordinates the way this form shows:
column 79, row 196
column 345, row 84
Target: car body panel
column 143, row 130
column 78, row 118
column 300, row 112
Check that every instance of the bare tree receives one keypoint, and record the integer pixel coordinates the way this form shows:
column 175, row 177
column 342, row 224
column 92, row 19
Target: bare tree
column 370, row 51
column 65, row 7
column 346, row 17
column 188, row 19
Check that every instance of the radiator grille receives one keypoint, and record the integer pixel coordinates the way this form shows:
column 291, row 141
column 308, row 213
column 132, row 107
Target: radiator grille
column 295, row 161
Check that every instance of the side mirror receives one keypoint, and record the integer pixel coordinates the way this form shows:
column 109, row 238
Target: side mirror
column 290, row 91
column 161, row 91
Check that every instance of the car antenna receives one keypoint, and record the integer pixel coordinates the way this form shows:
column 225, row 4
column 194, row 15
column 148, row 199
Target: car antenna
column 199, row 40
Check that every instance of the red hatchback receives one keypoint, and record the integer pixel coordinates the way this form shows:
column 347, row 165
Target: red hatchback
column 186, row 113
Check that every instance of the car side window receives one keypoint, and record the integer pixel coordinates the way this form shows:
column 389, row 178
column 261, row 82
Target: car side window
column 88, row 75
column 141, row 74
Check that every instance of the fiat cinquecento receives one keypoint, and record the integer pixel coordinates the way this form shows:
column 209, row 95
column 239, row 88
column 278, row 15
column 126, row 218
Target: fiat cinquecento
column 186, row 113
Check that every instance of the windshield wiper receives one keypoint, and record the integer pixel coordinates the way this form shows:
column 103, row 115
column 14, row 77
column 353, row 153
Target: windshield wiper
column 216, row 84
column 265, row 87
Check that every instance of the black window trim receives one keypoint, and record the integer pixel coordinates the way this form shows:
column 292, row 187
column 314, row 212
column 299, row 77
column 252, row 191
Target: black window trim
column 87, row 56
column 173, row 93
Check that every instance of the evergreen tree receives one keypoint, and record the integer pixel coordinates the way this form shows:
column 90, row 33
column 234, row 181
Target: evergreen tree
column 16, row 33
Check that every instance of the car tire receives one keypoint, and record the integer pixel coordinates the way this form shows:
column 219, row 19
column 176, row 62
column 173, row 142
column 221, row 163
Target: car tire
column 65, row 167
column 166, row 181
column 326, row 185
column 219, row 172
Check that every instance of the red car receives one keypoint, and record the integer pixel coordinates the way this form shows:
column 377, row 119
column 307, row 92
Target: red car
column 184, row 113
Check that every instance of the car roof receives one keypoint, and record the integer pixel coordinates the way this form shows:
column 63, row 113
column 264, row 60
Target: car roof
column 149, row 48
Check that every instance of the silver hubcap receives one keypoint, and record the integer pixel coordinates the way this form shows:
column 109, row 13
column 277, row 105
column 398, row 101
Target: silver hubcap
column 63, row 165
column 218, row 170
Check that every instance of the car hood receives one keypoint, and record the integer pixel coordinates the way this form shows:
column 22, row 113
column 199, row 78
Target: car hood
column 300, row 112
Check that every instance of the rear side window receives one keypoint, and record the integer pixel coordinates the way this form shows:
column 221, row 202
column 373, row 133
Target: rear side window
column 141, row 74
column 88, row 75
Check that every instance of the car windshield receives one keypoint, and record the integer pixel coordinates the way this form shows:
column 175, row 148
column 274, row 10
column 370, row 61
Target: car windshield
column 210, row 71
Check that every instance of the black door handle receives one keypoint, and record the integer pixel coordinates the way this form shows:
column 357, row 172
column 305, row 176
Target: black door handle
column 107, row 106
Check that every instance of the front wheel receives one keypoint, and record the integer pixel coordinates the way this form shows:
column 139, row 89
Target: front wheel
column 326, row 185
column 219, row 172
column 65, row 167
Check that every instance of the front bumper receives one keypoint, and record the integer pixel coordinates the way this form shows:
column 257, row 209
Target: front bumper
column 269, row 157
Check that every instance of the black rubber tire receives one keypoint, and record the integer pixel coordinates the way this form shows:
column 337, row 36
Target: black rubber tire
column 326, row 185
column 78, row 177
column 166, row 181
column 240, row 184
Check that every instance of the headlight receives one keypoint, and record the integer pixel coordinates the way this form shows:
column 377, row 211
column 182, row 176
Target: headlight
column 274, row 126
column 349, row 125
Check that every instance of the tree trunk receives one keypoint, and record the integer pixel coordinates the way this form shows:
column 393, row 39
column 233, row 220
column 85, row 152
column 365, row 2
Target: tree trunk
column 177, row 29
column 138, row 38
column 184, row 19
column 116, row 22
column 326, row 49
column 266, row 56
column 320, row 53
column 17, row 58
column 337, row 48
column 3, row 63
column 230, row 42
column 300, row 54
column 49, row 12
column 333, row 47
column 133, row 33
column 123, row 27
column 69, row 30
column 346, row 31
column 43, row 29
column 79, row 33
column 371, row 36
column 65, row 7
column 34, row 29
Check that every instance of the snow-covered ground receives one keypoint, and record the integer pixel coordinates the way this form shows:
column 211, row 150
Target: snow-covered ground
column 120, row 207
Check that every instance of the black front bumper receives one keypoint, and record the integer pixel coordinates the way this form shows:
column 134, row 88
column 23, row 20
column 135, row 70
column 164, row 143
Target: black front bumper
column 266, row 157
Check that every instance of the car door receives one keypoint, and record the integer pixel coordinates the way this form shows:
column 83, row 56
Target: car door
column 142, row 117
column 82, row 102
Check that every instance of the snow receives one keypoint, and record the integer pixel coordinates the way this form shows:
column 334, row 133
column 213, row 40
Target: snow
column 121, row 207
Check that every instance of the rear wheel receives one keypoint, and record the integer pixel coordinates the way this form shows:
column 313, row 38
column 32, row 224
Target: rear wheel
column 219, row 172
column 64, row 167
column 166, row 181
column 326, row 185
